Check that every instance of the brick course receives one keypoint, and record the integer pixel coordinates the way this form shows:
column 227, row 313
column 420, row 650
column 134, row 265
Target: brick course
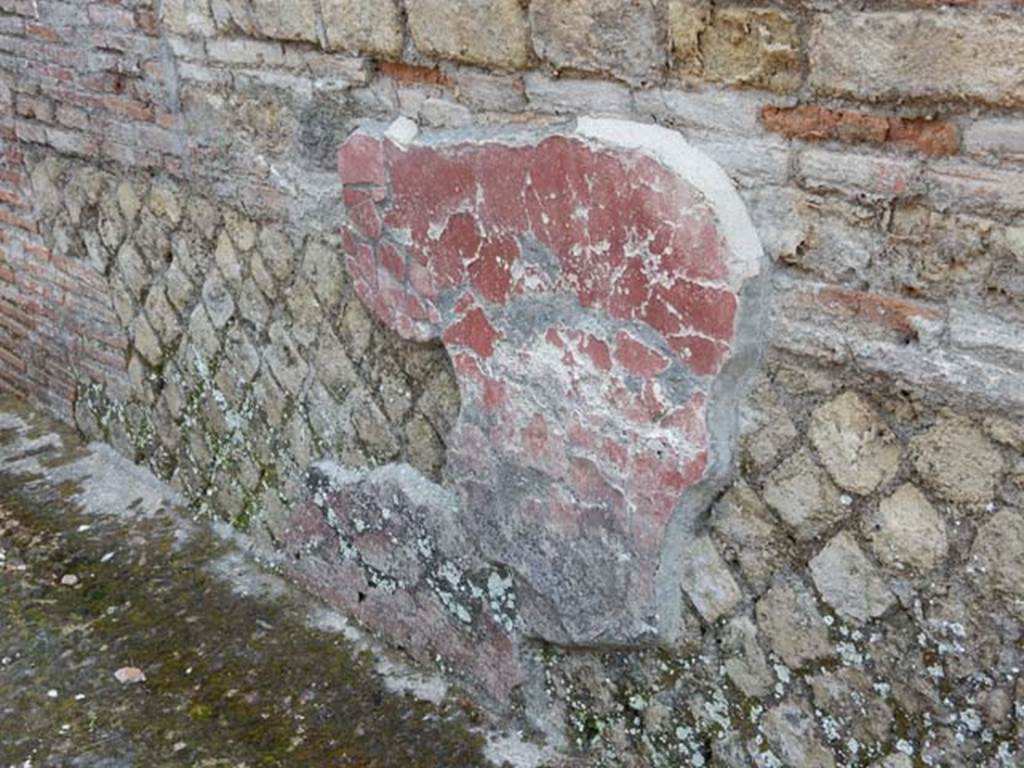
column 815, row 123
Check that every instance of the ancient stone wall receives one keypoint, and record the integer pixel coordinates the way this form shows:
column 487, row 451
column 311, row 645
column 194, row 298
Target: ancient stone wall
column 172, row 280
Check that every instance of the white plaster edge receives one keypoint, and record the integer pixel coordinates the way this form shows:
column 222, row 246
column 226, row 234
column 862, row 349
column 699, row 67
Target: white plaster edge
column 673, row 151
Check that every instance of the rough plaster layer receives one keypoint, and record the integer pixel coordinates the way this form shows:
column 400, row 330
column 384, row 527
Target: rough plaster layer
column 588, row 283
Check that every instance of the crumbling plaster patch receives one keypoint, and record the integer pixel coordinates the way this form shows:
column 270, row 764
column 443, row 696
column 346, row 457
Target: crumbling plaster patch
column 595, row 284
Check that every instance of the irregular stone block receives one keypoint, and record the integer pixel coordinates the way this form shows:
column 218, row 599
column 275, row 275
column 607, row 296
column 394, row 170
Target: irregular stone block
column 600, row 36
column 996, row 135
column 488, row 34
column 997, row 557
column 750, row 535
column 848, row 581
column 955, row 184
column 907, row 531
column 918, row 55
column 739, row 46
column 572, row 96
column 366, row 26
column 789, row 729
column 687, row 21
column 803, row 496
column 897, row 760
column 707, row 580
column 590, row 283
column 858, row 449
column 769, row 434
column 796, row 630
column 848, row 696
column 745, row 663
column 267, row 18
column 187, row 17
column 957, row 461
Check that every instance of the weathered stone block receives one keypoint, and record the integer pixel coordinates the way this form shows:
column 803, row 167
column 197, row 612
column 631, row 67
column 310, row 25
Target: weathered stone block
column 848, row 581
column 585, row 365
column 918, row 55
column 855, row 175
column 751, row 46
column 187, row 17
column 997, row 557
column 366, row 26
column 707, row 580
column 997, row 135
column 749, row 535
column 959, row 185
column 285, row 360
column 384, row 546
column 218, row 301
column 488, row 34
column 626, row 41
column 745, row 663
column 789, row 729
column 133, row 270
column 572, row 96
column 788, row 615
column 268, row 18
column 241, row 229
column 907, row 531
column 803, row 496
column 857, row 448
column 848, row 696
column 687, row 20
column 957, row 461
column 898, row 760
column 770, row 433
column 146, row 341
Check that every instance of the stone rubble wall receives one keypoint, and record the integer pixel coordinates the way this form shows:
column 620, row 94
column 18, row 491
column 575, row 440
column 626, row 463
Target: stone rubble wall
column 169, row 281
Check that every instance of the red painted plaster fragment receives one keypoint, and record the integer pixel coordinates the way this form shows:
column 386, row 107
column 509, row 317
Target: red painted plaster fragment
column 361, row 161
column 474, row 331
column 638, row 358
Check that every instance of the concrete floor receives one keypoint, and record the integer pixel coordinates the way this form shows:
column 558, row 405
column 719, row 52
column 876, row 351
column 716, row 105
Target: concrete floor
column 102, row 581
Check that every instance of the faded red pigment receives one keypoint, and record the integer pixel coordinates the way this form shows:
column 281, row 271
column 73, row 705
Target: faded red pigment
column 583, row 295
column 612, row 222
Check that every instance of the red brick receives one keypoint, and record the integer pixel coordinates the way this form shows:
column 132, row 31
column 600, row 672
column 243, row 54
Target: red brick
column 38, row 109
column 12, row 219
column 12, row 383
column 13, row 198
column 931, row 137
column 9, row 360
column 37, row 251
column 413, row 75
column 815, row 123
column 43, row 32
column 128, row 107
column 890, row 312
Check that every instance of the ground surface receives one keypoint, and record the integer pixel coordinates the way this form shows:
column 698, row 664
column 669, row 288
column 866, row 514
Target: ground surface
column 97, row 576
